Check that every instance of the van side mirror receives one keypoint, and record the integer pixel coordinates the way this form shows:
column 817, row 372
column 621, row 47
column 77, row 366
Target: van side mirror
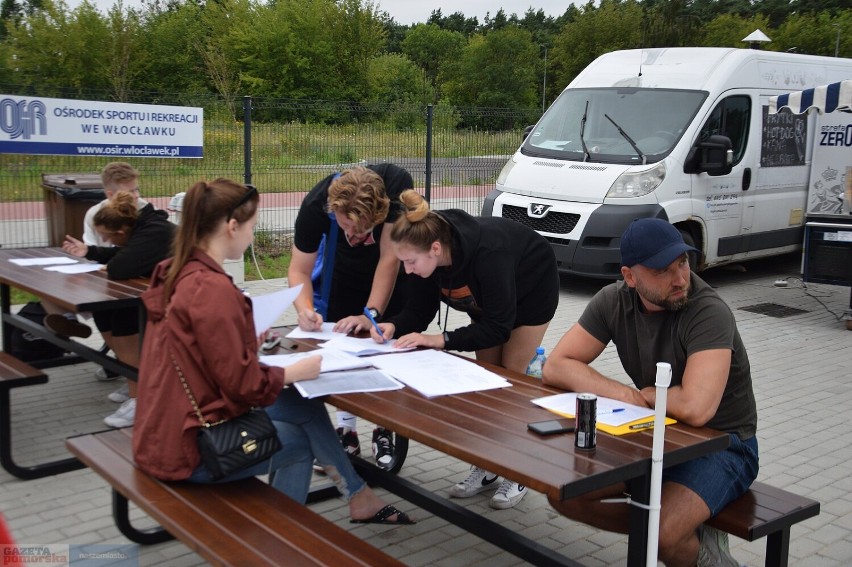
column 527, row 131
column 713, row 156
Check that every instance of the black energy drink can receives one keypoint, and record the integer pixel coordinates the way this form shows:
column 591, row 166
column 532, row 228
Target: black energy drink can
column 585, row 428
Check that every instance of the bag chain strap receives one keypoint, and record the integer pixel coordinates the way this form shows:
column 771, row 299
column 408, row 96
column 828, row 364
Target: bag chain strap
column 190, row 396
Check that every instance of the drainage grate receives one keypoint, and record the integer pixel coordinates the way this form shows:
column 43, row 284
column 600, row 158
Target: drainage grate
column 773, row 310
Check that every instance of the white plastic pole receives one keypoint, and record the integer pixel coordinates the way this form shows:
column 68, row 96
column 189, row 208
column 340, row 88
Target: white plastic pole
column 664, row 378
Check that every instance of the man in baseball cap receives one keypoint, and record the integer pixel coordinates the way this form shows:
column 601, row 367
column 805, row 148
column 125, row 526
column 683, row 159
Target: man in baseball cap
column 662, row 312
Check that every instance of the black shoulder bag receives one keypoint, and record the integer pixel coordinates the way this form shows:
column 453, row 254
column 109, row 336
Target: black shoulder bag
column 232, row 445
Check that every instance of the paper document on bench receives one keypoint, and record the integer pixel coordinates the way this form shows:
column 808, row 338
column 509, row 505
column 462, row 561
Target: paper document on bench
column 360, row 347
column 437, row 373
column 269, row 307
column 52, row 261
column 332, row 360
column 325, row 333
column 75, row 268
column 613, row 416
column 347, row 382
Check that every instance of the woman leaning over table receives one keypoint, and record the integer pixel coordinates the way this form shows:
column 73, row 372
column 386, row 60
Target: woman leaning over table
column 499, row 272
column 139, row 238
column 199, row 321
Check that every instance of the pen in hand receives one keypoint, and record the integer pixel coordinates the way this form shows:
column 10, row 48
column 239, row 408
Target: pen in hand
column 375, row 324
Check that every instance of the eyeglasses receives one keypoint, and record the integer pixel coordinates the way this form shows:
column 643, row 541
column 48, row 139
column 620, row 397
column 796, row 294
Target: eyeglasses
column 252, row 190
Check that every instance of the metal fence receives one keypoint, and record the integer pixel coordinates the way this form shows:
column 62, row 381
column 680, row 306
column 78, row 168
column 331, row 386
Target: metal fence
column 284, row 147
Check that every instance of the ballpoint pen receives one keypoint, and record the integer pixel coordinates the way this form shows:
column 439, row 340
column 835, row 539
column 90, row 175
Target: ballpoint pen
column 645, row 425
column 373, row 321
column 608, row 411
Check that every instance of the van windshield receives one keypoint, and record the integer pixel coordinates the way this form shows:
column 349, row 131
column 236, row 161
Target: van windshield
column 618, row 125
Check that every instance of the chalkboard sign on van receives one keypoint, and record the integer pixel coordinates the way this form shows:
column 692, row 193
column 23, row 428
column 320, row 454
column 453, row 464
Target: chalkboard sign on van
column 783, row 139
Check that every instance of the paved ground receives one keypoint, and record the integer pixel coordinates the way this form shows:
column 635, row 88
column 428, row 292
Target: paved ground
column 801, row 367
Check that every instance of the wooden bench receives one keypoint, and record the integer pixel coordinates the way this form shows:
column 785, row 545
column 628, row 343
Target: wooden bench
column 240, row 523
column 765, row 511
column 15, row 373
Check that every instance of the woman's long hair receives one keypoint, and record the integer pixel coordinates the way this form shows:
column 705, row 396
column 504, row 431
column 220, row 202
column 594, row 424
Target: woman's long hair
column 205, row 206
column 419, row 226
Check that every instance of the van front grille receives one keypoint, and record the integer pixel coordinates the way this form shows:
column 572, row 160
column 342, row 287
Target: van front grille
column 553, row 222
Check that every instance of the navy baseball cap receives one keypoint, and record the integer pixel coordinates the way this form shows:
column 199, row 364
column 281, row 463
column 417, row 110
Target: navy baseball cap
column 654, row 243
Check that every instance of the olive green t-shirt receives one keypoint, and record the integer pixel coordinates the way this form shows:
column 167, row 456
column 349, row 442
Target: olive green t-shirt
column 644, row 339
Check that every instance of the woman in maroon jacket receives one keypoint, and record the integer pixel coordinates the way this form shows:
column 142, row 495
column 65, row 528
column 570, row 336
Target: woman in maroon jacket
column 201, row 323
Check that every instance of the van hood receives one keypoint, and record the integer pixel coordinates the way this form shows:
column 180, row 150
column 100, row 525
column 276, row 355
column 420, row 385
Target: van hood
column 587, row 182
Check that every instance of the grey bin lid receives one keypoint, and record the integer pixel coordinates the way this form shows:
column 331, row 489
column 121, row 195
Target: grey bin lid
column 82, row 186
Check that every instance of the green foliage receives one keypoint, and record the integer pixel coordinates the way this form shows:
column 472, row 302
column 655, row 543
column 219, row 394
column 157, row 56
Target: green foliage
column 728, row 30
column 496, row 70
column 433, row 49
column 593, row 32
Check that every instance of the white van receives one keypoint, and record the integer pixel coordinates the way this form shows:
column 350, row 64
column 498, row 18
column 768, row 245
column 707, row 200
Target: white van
column 681, row 134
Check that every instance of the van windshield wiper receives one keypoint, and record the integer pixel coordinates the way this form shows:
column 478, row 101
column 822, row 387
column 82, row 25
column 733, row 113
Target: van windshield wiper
column 586, row 155
column 628, row 138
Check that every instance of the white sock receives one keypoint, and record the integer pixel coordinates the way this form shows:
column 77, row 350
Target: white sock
column 346, row 420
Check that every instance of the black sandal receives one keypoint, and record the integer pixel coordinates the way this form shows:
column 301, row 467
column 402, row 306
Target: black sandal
column 381, row 517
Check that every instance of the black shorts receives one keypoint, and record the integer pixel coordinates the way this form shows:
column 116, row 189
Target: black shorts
column 119, row 322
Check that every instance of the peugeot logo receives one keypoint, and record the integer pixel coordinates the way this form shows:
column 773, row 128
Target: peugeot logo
column 538, row 210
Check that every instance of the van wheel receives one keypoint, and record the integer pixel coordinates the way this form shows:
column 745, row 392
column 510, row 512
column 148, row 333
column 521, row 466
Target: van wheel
column 694, row 257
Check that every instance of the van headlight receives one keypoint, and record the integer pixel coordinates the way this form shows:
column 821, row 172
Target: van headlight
column 637, row 184
column 504, row 173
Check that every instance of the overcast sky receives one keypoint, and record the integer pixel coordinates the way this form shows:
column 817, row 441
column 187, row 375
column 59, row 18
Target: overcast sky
column 416, row 11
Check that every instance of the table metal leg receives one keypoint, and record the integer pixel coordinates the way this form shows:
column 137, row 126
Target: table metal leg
column 637, row 544
column 492, row 532
column 34, row 471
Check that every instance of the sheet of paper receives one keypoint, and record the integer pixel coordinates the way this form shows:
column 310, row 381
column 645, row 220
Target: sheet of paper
column 360, row 347
column 437, row 373
column 347, row 382
column 332, row 360
column 52, row 261
column 324, row 334
column 75, row 268
column 566, row 404
column 269, row 307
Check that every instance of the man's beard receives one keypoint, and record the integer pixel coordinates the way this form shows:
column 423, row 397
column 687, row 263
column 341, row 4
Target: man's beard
column 665, row 302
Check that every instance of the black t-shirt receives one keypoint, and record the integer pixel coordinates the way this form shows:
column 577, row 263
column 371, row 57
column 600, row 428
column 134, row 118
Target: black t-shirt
column 354, row 266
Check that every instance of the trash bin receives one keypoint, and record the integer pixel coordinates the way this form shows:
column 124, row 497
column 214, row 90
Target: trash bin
column 67, row 197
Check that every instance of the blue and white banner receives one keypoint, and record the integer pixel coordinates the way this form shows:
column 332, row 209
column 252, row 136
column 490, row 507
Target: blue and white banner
column 51, row 126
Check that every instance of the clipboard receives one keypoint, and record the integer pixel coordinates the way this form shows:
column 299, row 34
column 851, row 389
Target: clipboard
column 614, row 417
column 644, row 424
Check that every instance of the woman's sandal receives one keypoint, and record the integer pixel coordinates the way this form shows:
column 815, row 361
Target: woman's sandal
column 381, row 517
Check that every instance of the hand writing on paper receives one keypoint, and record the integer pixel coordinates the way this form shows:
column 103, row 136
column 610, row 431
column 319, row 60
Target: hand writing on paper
column 75, row 247
column 305, row 369
column 388, row 329
column 309, row 320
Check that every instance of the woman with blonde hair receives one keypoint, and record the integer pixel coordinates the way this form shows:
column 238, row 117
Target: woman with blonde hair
column 200, row 327
column 343, row 259
column 500, row 272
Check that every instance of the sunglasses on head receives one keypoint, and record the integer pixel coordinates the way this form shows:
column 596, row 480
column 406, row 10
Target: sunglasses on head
column 252, row 190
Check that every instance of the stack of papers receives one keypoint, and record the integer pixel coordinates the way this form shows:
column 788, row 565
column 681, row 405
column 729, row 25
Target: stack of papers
column 614, row 417
column 350, row 382
column 332, row 360
column 325, row 333
column 437, row 373
column 360, row 347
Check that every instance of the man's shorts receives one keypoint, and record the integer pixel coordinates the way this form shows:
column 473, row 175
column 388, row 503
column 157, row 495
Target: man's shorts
column 719, row 478
column 120, row 322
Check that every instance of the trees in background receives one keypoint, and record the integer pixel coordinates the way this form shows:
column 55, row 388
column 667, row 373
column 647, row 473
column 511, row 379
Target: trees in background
column 350, row 50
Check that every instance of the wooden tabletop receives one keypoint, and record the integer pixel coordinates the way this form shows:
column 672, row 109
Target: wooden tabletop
column 91, row 291
column 489, row 429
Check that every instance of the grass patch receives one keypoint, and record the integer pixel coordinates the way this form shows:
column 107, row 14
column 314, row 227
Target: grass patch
column 272, row 253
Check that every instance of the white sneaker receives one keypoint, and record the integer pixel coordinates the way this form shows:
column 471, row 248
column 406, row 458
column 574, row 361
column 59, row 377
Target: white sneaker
column 509, row 494
column 121, row 395
column 477, row 481
column 124, row 416
column 104, row 376
column 713, row 549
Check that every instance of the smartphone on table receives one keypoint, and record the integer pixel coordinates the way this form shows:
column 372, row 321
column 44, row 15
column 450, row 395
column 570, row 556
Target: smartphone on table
column 552, row 426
